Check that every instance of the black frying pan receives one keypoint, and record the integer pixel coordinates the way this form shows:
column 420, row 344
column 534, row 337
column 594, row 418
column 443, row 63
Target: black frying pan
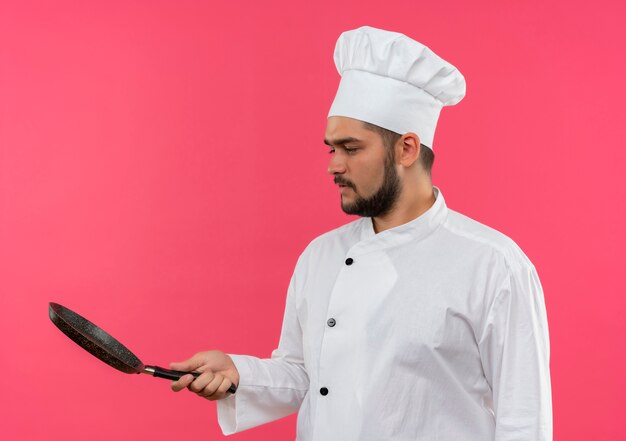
column 100, row 344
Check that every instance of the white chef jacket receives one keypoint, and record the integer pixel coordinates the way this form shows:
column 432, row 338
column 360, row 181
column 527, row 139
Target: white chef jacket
column 434, row 330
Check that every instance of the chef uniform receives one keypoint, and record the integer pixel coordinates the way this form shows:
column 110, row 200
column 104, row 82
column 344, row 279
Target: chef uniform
column 434, row 330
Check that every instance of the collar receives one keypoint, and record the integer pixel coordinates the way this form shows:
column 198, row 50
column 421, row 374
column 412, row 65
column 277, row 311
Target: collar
column 414, row 230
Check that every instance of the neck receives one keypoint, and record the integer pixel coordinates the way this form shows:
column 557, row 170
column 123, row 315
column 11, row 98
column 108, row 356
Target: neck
column 409, row 206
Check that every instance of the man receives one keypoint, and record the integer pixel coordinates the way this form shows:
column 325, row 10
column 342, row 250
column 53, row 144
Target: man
column 413, row 322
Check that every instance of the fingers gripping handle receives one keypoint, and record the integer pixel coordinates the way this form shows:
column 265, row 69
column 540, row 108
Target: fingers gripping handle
column 169, row 374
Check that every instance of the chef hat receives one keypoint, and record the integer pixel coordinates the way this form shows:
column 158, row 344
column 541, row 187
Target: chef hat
column 394, row 82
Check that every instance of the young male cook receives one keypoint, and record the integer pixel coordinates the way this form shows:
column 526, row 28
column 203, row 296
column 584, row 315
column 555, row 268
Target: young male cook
column 413, row 322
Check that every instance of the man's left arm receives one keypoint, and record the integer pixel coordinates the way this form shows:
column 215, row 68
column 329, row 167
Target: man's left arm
column 515, row 353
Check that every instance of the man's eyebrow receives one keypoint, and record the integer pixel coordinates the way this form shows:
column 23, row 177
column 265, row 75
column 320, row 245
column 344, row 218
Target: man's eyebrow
column 341, row 141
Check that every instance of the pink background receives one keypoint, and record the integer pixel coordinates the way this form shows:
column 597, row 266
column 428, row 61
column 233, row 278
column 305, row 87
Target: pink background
column 162, row 167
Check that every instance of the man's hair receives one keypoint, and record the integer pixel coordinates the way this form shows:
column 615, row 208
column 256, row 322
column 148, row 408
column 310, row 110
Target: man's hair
column 390, row 138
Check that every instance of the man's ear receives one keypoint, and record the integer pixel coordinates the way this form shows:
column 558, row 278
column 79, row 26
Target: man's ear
column 408, row 149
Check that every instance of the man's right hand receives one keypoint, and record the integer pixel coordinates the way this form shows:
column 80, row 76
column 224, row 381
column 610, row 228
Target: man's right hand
column 218, row 374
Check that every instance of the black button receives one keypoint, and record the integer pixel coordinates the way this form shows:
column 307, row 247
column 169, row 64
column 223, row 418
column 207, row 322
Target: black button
column 324, row 391
column 349, row 261
column 331, row 322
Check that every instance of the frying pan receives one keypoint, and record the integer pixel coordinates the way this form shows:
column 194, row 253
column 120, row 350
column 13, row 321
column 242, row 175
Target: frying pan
column 101, row 345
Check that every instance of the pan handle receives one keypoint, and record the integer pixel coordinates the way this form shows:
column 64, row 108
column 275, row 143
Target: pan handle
column 169, row 374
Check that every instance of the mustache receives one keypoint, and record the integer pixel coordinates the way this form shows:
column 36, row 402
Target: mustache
column 342, row 181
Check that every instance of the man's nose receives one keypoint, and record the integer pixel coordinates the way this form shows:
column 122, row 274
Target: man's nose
column 336, row 165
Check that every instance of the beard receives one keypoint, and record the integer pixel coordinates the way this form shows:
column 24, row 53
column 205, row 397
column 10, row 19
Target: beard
column 383, row 199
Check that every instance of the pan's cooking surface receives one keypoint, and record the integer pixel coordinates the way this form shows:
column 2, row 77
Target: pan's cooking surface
column 94, row 340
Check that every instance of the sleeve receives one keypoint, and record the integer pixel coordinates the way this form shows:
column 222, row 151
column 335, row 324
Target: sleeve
column 269, row 389
column 515, row 352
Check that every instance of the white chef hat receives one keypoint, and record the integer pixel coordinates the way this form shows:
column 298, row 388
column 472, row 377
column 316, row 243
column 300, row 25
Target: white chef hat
column 394, row 82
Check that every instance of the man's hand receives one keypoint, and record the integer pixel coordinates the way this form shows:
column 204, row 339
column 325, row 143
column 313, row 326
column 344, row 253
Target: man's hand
column 218, row 374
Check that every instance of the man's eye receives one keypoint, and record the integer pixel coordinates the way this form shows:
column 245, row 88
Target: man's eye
column 351, row 151
column 331, row 151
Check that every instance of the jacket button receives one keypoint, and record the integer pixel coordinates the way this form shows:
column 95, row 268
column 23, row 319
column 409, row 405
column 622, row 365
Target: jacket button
column 324, row 391
column 331, row 322
column 349, row 261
